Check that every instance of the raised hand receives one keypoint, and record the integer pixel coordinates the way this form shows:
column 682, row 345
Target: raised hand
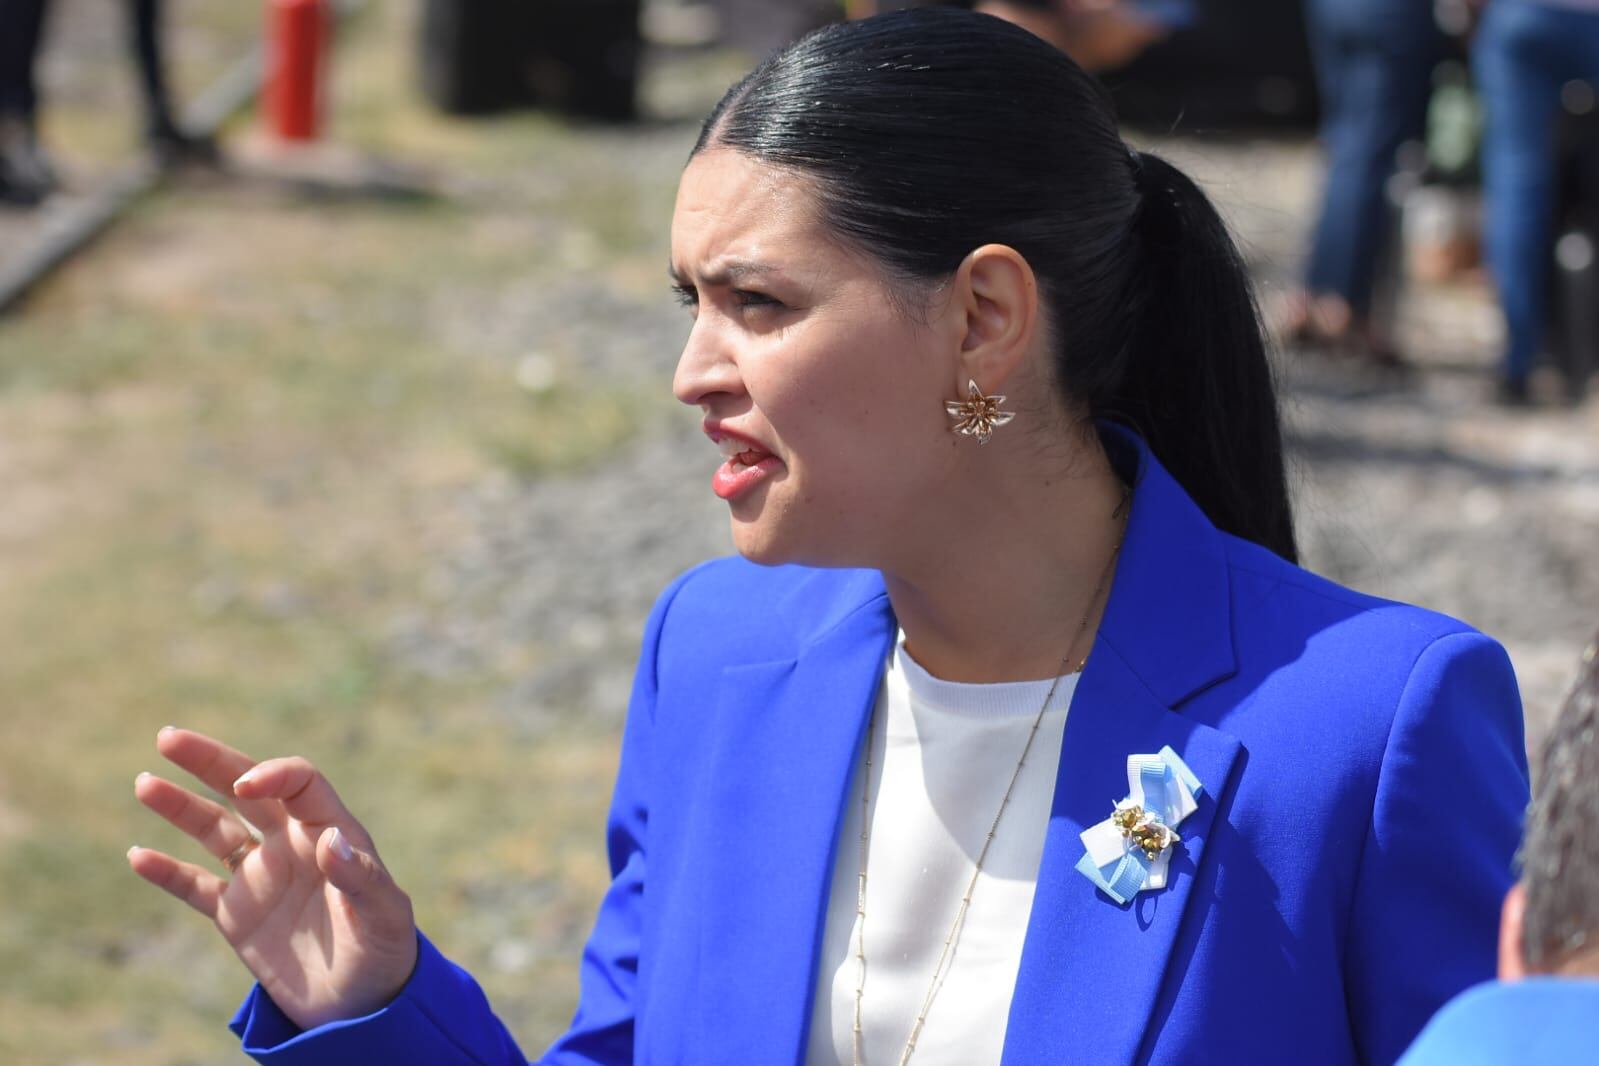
column 310, row 908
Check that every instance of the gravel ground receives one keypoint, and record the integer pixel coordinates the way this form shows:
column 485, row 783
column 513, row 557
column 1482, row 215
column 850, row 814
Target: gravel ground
column 1415, row 489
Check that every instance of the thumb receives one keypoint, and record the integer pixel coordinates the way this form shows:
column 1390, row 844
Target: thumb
column 361, row 878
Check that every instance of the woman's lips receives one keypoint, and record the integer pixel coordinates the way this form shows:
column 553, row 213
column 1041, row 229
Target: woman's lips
column 745, row 462
column 735, row 477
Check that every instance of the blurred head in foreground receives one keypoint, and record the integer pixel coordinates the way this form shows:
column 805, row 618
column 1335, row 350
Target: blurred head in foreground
column 1551, row 918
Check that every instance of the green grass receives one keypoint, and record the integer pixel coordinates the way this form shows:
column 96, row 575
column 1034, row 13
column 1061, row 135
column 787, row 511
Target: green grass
column 233, row 436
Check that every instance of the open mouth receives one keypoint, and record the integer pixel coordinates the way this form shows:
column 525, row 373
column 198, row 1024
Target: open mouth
column 745, row 465
column 740, row 452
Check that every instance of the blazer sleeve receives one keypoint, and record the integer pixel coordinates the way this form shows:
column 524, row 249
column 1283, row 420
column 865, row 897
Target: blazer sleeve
column 601, row 1033
column 441, row 1017
column 1440, row 847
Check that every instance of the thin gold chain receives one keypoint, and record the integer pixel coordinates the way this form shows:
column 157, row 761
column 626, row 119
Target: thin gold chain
column 940, row 971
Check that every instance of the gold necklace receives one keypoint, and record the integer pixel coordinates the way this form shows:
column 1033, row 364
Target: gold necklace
column 939, row 971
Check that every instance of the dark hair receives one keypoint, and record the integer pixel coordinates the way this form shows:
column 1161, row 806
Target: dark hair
column 1560, row 856
column 930, row 132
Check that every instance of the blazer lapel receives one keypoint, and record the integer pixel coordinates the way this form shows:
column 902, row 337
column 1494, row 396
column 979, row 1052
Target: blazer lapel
column 1091, row 971
column 786, row 737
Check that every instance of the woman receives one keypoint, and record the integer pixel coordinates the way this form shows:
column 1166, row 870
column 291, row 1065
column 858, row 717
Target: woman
column 854, row 820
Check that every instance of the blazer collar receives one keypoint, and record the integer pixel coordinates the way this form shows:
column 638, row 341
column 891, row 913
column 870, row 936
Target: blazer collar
column 1092, row 973
column 1169, row 616
column 783, row 744
column 1170, row 612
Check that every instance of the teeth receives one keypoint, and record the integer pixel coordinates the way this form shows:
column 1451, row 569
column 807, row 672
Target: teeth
column 733, row 448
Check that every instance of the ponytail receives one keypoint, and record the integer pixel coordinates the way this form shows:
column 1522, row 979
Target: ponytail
column 1198, row 385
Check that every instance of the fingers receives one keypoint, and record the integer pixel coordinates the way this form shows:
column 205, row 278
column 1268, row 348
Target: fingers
column 355, row 873
column 365, row 882
column 209, row 823
column 198, row 888
column 305, row 794
column 217, row 765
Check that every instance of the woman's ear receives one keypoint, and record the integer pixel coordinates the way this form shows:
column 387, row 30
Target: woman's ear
column 1512, row 963
column 996, row 295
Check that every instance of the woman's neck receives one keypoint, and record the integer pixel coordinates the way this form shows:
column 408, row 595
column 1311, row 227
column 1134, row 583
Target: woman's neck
column 1012, row 585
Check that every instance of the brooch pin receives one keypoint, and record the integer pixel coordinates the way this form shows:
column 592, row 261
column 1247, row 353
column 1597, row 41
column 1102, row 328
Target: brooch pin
column 1130, row 851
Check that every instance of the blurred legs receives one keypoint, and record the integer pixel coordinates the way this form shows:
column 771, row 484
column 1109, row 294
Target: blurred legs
column 1524, row 54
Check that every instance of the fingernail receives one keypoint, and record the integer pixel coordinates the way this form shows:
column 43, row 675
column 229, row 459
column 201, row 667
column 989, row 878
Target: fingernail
column 340, row 846
column 244, row 779
column 164, row 730
column 132, row 850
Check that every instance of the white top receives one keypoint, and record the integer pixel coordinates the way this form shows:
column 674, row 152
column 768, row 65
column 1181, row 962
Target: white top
column 943, row 753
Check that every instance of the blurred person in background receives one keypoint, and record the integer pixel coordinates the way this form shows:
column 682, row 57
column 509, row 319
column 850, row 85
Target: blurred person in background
column 1525, row 51
column 168, row 143
column 1374, row 61
column 1545, row 1005
column 762, row 26
column 26, row 176
column 1099, row 35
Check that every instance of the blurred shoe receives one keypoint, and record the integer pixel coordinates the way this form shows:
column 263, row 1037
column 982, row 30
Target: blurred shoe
column 1306, row 321
column 17, row 193
column 1383, row 356
column 26, row 176
column 171, row 148
column 1576, row 390
column 1513, row 392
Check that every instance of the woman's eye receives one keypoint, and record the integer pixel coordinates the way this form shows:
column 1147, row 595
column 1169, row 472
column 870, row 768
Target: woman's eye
column 747, row 298
column 686, row 296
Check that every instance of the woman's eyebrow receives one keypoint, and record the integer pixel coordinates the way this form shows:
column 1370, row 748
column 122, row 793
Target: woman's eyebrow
column 726, row 272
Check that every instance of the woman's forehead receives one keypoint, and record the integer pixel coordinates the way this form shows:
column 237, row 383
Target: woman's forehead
column 738, row 216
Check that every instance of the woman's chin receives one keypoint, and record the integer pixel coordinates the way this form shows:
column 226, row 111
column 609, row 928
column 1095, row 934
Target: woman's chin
column 765, row 548
column 757, row 545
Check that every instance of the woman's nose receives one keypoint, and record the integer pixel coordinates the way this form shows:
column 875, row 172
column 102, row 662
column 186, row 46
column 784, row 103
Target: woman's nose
column 705, row 368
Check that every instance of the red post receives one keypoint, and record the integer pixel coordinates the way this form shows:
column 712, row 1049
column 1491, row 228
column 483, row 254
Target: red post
column 297, row 39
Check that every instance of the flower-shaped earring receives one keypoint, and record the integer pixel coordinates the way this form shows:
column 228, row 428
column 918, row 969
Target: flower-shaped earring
column 977, row 415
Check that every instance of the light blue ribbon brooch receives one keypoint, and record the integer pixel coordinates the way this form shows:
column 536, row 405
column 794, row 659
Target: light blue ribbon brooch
column 1129, row 852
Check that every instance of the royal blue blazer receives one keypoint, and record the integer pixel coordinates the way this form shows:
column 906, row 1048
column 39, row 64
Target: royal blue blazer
column 1364, row 780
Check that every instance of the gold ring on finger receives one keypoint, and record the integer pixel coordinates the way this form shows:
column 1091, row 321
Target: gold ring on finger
column 233, row 858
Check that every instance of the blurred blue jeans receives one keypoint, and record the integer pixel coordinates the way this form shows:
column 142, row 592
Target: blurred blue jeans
column 1524, row 53
column 1374, row 61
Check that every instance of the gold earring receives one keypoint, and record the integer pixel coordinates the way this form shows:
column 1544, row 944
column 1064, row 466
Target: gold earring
column 977, row 415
